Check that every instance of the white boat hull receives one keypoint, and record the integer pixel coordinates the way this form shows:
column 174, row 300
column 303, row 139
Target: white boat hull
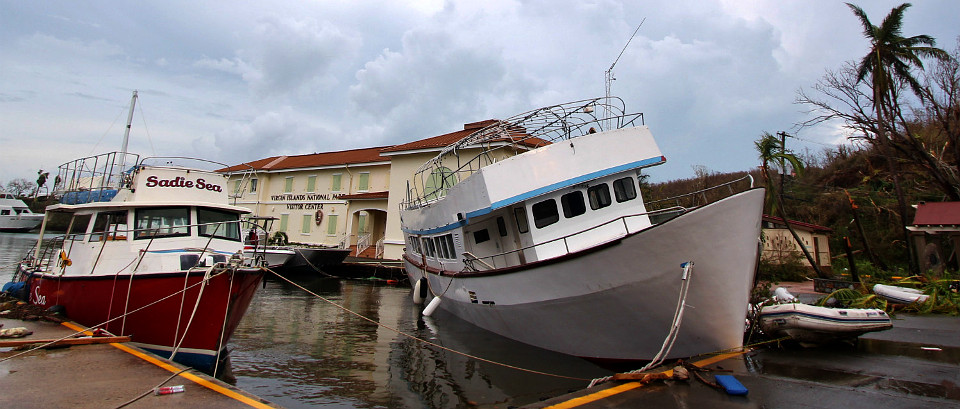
column 616, row 300
column 899, row 295
column 812, row 324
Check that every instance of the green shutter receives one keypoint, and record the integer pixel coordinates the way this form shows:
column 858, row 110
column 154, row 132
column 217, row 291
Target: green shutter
column 336, row 183
column 332, row 224
column 288, row 185
column 362, row 223
column 364, row 182
column 307, row 219
column 283, row 222
column 311, row 184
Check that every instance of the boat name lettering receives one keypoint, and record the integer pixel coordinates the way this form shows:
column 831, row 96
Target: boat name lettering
column 38, row 298
column 292, row 197
column 180, row 181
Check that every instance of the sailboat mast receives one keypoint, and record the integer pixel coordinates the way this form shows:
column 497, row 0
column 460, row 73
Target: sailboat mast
column 126, row 134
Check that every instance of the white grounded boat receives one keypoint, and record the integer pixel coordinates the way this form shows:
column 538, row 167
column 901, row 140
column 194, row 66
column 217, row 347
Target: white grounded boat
column 534, row 228
column 810, row 324
column 899, row 295
column 15, row 216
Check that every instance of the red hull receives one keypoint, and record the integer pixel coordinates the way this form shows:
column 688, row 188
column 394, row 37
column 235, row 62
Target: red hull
column 91, row 301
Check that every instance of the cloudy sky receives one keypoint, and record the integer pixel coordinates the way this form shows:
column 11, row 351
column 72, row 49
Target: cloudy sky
column 235, row 81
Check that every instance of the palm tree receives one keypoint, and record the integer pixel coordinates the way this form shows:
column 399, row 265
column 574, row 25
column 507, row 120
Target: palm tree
column 773, row 151
column 890, row 60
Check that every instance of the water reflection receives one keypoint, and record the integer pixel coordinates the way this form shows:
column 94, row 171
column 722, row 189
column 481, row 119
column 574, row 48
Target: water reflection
column 301, row 352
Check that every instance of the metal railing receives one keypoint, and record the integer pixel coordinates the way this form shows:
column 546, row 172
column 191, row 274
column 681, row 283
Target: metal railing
column 701, row 197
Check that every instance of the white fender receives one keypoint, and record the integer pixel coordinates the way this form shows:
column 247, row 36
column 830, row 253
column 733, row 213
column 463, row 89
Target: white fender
column 434, row 303
column 419, row 293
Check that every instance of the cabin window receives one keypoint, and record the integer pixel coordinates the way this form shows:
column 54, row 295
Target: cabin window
column 572, row 204
column 545, row 213
column 311, row 183
column 448, row 238
column 79, row 228
column 429, row 248
column 599, row 196
column 481, row 236
column 623, row 189
column 414, row 244
column 442, row 250
column 502, row 226
column 114, row 224
column 162, row 222
column 520, row 215
column 219, row 224
column 5, row 212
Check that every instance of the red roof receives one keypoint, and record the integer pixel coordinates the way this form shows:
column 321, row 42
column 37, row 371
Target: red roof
column 802, row 225
column 353, row 156
column 442, row 141
column 937, row 214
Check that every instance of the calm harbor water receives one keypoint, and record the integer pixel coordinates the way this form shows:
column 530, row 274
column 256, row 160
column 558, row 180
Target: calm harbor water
column 300, row 351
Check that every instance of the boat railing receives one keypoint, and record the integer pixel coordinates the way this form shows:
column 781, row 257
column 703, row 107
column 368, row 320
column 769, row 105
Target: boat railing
column 702, row 196
column 513, row 136
column 490, row 261
column 94, row 178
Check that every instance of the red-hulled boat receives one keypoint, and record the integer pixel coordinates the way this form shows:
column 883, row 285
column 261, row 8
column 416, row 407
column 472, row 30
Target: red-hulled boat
column 154, row 252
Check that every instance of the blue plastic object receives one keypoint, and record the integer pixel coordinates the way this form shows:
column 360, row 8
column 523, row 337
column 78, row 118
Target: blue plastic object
column 731, row 385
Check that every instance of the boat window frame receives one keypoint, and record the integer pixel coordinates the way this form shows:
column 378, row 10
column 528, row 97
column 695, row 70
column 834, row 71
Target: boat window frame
column 202, row 223
column 109, row 219
column 625, row 182
column 599, row 196
column 551, row 215
column 144, row 233
column 520, row 216
column 572, row 204
column 481, row 236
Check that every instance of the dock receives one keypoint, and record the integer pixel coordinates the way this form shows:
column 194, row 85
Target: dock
column 915, row 364
column 101, row 373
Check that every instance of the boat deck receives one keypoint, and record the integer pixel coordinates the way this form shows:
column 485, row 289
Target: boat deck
column 103, row 375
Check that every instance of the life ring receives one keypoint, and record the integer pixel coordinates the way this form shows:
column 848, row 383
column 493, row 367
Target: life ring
column 318, row 216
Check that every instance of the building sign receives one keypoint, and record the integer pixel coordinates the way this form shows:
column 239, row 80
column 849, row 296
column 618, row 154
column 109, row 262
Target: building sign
column 289, row 197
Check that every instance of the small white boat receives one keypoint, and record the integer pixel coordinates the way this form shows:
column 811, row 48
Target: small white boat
column 15, row 216
column 899, row 295
column 810, row 324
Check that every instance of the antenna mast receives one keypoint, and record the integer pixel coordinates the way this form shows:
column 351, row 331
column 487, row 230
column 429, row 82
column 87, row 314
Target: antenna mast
column 608, row 75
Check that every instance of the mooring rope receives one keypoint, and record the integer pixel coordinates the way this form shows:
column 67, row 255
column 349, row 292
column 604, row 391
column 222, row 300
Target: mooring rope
column 415, row 338
column 674, row 326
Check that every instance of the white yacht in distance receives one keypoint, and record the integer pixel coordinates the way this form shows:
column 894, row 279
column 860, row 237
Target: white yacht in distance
column 15, row 216
column 535, row 228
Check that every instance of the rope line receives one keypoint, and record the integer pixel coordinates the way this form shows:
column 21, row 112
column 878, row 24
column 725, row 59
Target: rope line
column 415, row 338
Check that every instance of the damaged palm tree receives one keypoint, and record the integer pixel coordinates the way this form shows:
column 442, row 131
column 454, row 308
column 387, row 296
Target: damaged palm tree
column 773, row 151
